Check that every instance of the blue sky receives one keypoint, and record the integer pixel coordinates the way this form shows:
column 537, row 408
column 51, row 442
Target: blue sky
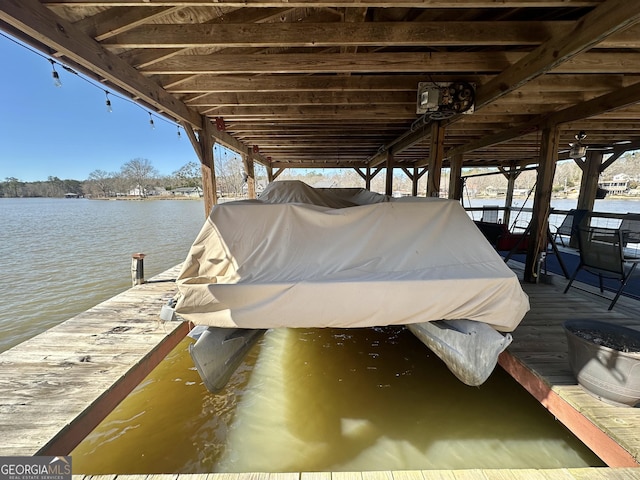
column 67, row 132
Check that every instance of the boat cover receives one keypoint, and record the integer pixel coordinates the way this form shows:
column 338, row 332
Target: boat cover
column 304, row 257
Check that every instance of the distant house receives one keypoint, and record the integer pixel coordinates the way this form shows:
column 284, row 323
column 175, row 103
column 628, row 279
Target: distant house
column 137, row 191
column 157, row 191
column 194, row 192
column 618, row 186
column 71, row 195
column 492, row 191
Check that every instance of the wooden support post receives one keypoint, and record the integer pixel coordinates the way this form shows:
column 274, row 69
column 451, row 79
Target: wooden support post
column 249, row 169
column 276, row 174
column 589, row 183
column 421, row 173
column 388, row 186
column 436, row 155
column 542, row 202
column 413, row 176
column 269, row 173
column 208, row 169
column 508, row 201
column 367, row 180
column 137, row 269
column 512, row 174
column 455, row 178
column 203, row 146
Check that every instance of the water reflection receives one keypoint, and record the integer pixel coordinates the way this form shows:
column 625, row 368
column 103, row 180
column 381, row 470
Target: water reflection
column 377, row 399
column 328, row 400
column 169, row 423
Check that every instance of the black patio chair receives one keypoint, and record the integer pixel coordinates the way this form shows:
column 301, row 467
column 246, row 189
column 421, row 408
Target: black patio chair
column 602, row 254
column 490, row 214
column 630, row 228
column 569, row 225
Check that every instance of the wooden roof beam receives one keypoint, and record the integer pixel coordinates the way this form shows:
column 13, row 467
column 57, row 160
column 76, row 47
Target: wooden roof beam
column 319, row 164
column 322, row 83
column 144, row 57
column 118, row 20
column 301, row 98
column 41, row 24
column 282, row 35
column 394, row 62
column 230, row 84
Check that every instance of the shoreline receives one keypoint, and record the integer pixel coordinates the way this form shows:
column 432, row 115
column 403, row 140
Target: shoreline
column 226, row 199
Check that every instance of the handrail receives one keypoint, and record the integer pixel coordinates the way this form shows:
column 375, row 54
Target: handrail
column 594, row 214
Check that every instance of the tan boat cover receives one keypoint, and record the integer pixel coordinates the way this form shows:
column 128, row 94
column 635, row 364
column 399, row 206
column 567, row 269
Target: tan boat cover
column 303, row 257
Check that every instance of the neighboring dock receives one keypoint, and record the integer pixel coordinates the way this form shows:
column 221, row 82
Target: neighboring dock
column 57, row 386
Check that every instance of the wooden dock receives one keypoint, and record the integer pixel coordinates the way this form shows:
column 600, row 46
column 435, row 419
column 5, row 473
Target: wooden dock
column 471, row 474
column 538, row 360
column 57, row 386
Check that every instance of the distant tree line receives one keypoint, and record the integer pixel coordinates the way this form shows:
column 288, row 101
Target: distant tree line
column 139, row 177
column 136, row 177
column 52, row 187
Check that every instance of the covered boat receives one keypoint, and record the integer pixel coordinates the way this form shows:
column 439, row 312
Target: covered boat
column 347, row 258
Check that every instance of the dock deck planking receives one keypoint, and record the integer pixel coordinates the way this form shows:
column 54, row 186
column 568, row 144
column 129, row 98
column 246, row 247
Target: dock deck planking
column 472, row 474
column 56, row 387
column 538, row 359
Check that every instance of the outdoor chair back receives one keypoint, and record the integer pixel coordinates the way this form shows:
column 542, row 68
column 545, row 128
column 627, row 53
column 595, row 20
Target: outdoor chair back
column 602, row 254
column 630, row 228
column 490, row 214
column 569, row 225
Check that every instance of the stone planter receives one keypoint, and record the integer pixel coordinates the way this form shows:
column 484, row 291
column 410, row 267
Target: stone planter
column 605, row 359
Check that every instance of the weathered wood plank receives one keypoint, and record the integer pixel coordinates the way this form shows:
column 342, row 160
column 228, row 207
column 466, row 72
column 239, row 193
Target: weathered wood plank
column 284, row 476
column 408, row 475
column 79, row 370
column 475, row 474
column 434, row 62
column 316, row 476
column 342, row 34
column 385, row 475
column 540, row 347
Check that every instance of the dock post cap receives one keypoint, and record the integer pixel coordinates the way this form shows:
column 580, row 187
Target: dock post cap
column 137, row 269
